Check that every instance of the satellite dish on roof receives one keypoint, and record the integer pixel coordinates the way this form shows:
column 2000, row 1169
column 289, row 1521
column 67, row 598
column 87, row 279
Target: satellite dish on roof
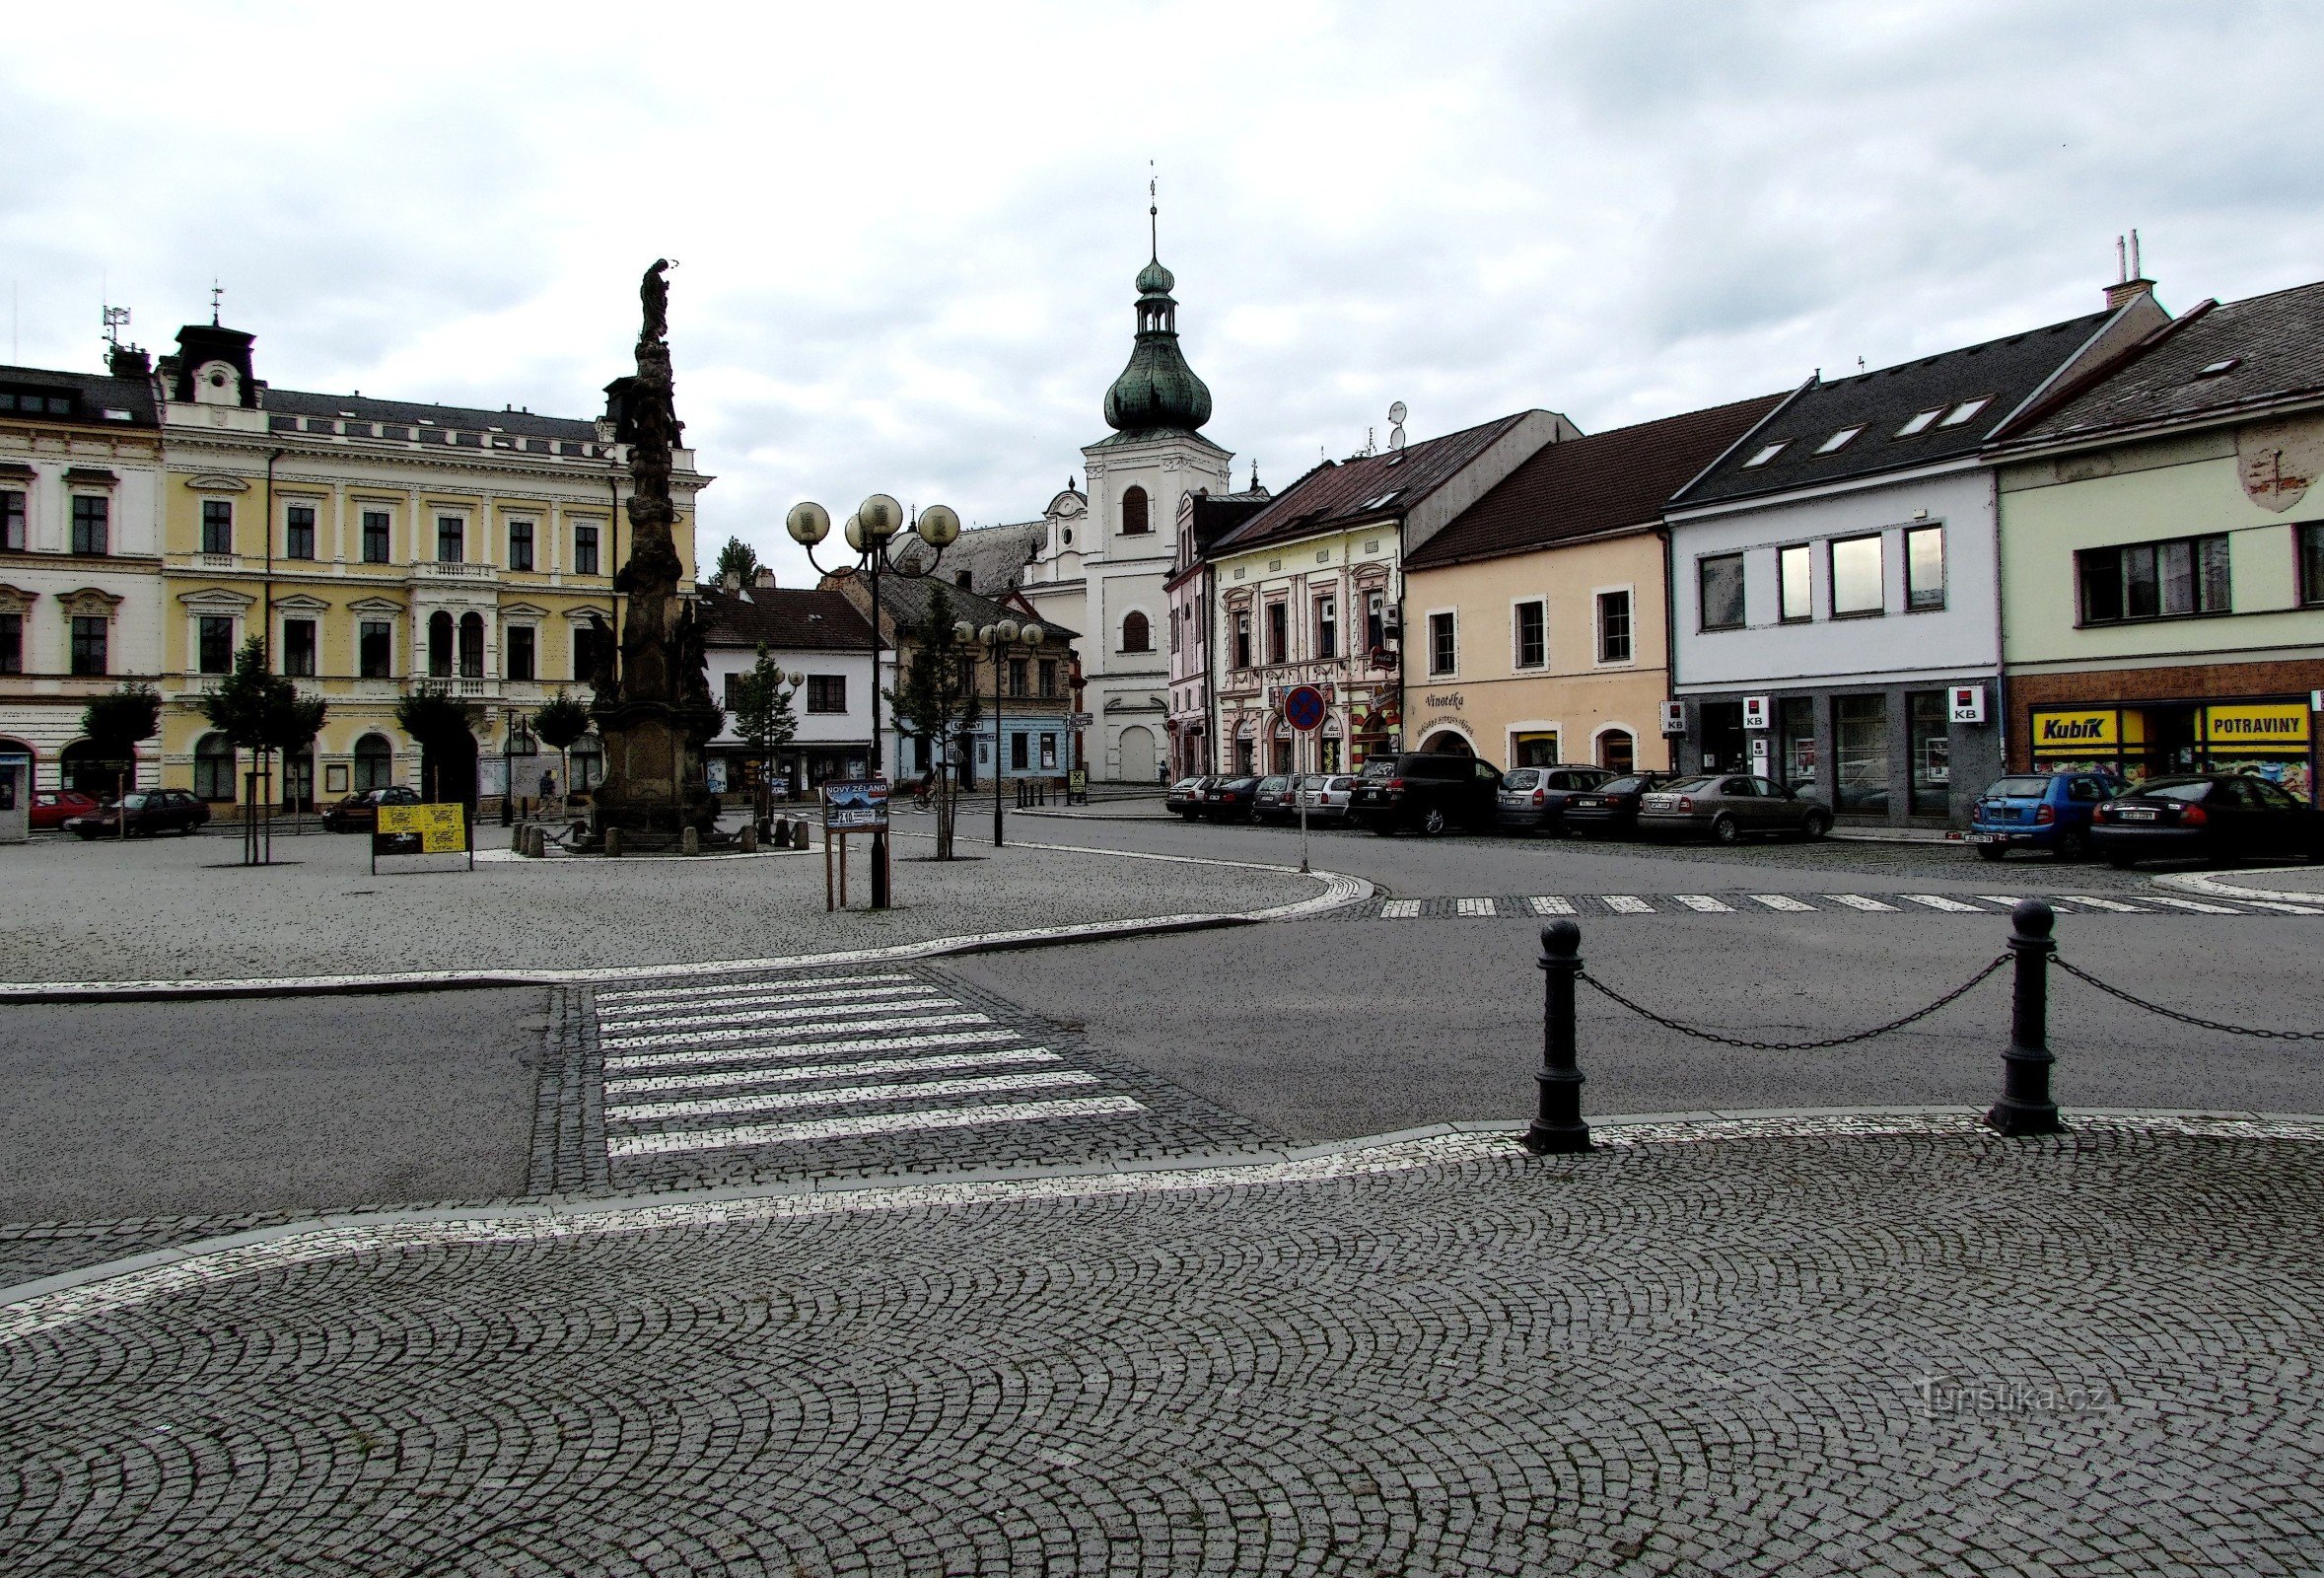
column 1396, row 415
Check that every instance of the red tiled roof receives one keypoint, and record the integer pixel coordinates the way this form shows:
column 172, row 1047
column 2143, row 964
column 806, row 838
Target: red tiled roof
column 1367, row 487
column 1591, row 485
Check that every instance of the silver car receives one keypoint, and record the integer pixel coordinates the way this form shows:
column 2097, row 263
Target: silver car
column 1325, row 795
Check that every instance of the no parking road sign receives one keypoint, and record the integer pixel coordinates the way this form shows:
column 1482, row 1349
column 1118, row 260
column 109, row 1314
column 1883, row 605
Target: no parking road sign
column 1303, row 708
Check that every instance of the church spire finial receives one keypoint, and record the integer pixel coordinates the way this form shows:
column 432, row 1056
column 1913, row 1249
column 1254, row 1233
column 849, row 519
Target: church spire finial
column 1153, row 212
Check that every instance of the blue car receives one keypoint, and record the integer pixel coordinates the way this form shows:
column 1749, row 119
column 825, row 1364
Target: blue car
column 2049, row 811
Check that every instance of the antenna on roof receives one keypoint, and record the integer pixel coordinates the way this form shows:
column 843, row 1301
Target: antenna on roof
column 217, row 292
column 1860, row 362
column 116, row 319
column 1396, row 415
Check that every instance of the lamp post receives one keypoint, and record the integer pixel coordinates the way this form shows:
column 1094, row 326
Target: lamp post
column 871, row 532
column 997, row 640
column 516, row 742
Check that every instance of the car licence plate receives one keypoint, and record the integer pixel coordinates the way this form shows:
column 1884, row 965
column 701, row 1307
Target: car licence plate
column 2136, row 814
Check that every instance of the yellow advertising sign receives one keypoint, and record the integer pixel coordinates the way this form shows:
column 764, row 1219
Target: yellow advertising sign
column 2263, row 726
column 425, row 829
column 2074, row 734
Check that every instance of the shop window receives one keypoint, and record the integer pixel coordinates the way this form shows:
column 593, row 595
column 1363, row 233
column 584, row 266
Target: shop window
column 213, row 768
column 826, row 693
column 1796, row 716
column 217, row 525
column 452, row 540
column 471, row 646
column 375, row 763
column 1720, row 583
column 12, row 519
column 1136, row 521
column 1859, row 577
column 1019, row 753
column 1862, row 760
column 90, row 632
column 2167, row 580
column 1613, row 627
column 1795, row 574
column 298, row 648
column 2311, row 563
column 1048, row 752
column 91, row 523
column 298, row 532
column 375, row 649
column 375, row 537
column 1247, row 757
column 584, row 550
column 214, row 643
column 1278, row 632
column 520, row 544
column 12, row 643
column 1281, row 757
column 520, row 641
column 1931, row 752
column 1924, row 568
column 1617, row 751
column 1531, row 635
column 1536, row 749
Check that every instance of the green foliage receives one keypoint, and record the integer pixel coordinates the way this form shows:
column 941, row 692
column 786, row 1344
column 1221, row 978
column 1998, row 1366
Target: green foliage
column 937, row 700
column 762, row 707
column 561, row 722
column 238, row 706
column 433, row 718
column 737, row 557
column 116, row 721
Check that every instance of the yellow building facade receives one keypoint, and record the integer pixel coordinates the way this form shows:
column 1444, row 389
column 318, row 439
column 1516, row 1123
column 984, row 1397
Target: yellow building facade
column 375, row 546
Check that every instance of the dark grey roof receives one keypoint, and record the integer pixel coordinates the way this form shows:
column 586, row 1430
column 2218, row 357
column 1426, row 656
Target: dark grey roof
column 906, row 599
column 2002, row 372
column 784, row 618
column 524, row 424
column 1364, row 487
column 2274, row 343
column 92, row 394
column 993, row 556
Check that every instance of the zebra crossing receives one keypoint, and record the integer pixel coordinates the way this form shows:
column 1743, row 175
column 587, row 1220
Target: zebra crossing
column 870, row 1072
column 1742, row 905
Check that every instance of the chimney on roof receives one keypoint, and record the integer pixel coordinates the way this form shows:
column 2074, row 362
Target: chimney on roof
column 765, row 579
column 731, row 582
column 2131, row 281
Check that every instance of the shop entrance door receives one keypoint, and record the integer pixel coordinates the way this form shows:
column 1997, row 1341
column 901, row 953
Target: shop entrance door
column 15, row 798
column 2170, row 738
column 1723, row 737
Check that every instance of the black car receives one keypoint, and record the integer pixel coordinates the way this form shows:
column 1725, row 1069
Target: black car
column 1230, row 799
column 1611, row 809
column 1426, row 792
column 2214, row 815
column 360, row 812
column 148, row 811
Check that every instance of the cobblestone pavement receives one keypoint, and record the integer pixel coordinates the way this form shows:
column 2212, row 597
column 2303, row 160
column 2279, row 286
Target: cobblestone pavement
column 840, row 1074
column 1925, row 1350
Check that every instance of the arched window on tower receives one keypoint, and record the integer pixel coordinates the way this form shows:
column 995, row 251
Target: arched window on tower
column 1135, row 635
column 1134, row 514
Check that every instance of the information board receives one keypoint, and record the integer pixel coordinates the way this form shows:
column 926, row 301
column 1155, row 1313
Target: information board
column 429, row 829
column 855, row 805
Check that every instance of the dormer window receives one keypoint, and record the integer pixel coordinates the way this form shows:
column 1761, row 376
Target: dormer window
column 1839, row 441
column 217, row 384
column 1920, row 423
column 2224, row 365
column 1963, row 412
column 1766, row 452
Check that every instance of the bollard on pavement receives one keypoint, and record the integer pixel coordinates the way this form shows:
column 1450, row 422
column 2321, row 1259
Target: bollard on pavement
column 1558, row 1129
column 2025, row 1107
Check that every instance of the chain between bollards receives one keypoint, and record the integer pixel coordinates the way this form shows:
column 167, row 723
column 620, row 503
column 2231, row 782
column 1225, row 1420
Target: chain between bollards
column 1558, row 1129
column 2025, row 1107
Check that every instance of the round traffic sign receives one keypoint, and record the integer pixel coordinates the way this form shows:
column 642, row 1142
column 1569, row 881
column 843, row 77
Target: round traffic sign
column 1303, row 708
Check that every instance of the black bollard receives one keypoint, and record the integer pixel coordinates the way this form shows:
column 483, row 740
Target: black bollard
column 2025, row 1107
column 1556, row 1126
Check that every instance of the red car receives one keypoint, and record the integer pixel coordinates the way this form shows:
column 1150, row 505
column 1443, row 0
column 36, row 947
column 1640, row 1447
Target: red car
column 51, row 806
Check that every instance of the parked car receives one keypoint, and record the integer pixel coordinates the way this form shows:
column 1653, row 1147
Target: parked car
column 1731, row 807
column 359, row 811
column 1325, row 795
column 147, row 811
column 2216, row 816
column 1534, row 799
column 1229, row 799
column 1277, row 799
column 1611, row 809
column 2040, row 811
column 1426, row 792
column 53, row 807
column 1186, row 797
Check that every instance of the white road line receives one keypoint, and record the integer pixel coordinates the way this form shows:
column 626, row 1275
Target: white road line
column 848, row 1096
column 675, row 1013
column 2111, row 906
column 1626, row 903
column 1782, row 902
column 2189, row 904
column 789, row 1022
column 626, row 1067
column 2279, row 908
column 850, row 1128
column 1399, row 909
column 1859, row 902
column 767, row 1014
column 1553, row 906
column 864, row 1069
column 1474, row 906
column 1704, row 904
column 2005, row 900
column 680, row 993
column 1952, row 906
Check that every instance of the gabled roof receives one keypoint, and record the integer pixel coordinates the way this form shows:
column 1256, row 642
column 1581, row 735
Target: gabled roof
column 906, row 598
column 525, row 424
column 2003, row 373
column 1605, row 482
column 1365, row 488
column 2272, row 347
column 994, row 557
column 91, row 394
column 784, row 618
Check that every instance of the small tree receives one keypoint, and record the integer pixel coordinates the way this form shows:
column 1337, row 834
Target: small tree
column 440, row 725
column 292, row 721
column 239, row 707
column 117, row 723
column 764, row 720
column 937, row 700
column 737, row 558
column 559, row 724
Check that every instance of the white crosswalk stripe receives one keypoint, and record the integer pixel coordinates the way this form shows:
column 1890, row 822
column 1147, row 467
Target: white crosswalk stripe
column 858, row 1127
column 1399, row 909
column 1474, row 906
column 1859, row 902
column 2279, row 908
column 788, row 1024
column 1952, row 906
column 616, row 1068
column 647, row 1080
column 1782, row 902
column 2189, row 904
column 1626, row 903
column 1552, row 907
column 849, row 1096
column 647, row 994
column 2113, row 906
column 698, row 1013
column 1704, row 904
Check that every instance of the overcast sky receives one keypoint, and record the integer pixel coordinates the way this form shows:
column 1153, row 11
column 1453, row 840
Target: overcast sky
column 907, row 234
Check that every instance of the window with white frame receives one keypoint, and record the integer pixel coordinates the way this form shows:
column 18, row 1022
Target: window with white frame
column 1858, row 576
column 1529, row 634
column 1796, row 583
column 375, row 649
column 217, row 525
column 1613, row 626
column 214, row 643
column 1443, row 643
column 1924, row 568
column 1719, row 579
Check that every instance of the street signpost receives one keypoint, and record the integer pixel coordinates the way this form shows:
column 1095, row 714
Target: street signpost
column 1302, row 709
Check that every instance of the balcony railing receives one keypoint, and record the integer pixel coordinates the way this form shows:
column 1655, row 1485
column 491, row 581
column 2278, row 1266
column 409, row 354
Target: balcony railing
column 440, row 570
column 214, row 561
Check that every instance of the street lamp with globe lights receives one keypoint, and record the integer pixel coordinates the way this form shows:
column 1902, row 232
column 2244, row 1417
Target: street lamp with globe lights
column 997, row 640
column 875, row 533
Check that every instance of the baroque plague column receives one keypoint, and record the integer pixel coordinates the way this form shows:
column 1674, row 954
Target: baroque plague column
column 656, row 713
